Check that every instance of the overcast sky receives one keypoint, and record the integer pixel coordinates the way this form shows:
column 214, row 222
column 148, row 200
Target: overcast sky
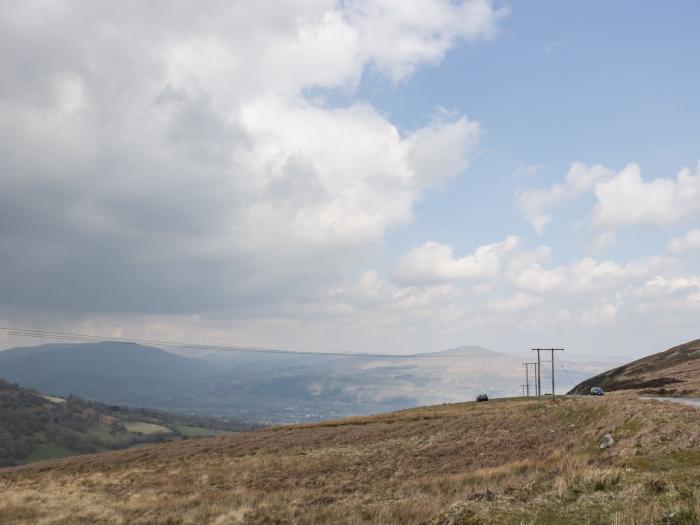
column 386, row 175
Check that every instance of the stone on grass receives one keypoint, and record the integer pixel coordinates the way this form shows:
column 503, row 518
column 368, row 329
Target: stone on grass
column 606, row 441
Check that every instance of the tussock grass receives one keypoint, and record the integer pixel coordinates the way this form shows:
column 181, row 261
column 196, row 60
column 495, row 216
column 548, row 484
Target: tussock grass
column 506, row 462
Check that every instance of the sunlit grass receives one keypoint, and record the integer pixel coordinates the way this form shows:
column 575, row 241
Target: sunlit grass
column 511, row 462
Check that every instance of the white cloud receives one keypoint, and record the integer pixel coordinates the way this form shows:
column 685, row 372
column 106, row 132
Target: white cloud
column 622, row 199
column 661, row 285
column 433, row 262
column 581, row 276
column 690, row 241
column 324, row 193
column 599, row 314
column 579, row 180
column 524, row 270
column 514, row 304
column 535, row 278
column 440, row 150
column 627, row 199
column 372, row 291
column 184, row 176
column 601, row 242
column 395, row 35
column 526, row 170
column 188, row 162
column 669, row 298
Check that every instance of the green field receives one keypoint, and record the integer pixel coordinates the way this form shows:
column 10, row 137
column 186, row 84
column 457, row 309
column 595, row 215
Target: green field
column 106, row 440
column 43, row 451
column 146, row 428
column 35, row 427
column 103, row 436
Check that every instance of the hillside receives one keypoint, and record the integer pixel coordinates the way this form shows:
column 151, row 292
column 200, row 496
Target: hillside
column 503, row 462
column 673, row 372
column 277, row 388
column 34, row 426
column 116, row 373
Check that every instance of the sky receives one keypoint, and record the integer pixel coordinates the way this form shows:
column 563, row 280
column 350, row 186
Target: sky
column 353, row 176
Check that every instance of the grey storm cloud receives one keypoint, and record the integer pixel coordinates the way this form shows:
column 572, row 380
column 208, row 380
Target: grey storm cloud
column 161, row 157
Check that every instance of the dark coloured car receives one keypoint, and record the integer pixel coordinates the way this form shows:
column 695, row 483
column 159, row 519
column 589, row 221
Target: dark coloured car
column 597, row 391
column 482, row 397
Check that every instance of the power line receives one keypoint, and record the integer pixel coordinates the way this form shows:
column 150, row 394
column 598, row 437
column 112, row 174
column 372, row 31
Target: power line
column 552, row 350
column 75, row 337
column 565, row 371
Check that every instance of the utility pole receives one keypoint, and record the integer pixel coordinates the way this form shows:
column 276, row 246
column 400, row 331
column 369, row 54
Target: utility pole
column 539, row 376
column 551, row 351
column 527, row 376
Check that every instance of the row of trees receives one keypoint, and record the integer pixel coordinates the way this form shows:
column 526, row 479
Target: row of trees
column 27, row 417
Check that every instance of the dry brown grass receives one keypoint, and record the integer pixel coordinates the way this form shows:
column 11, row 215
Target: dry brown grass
column 509, row 461
column 675, row 372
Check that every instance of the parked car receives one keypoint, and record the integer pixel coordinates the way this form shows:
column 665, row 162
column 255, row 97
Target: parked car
column 597, row 391
column 482, row 397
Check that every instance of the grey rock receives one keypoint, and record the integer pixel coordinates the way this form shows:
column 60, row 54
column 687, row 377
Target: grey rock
column 606, row 441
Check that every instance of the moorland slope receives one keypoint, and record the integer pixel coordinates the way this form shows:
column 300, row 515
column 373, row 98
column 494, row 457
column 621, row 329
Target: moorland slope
column 503, row 462
column 675, row 371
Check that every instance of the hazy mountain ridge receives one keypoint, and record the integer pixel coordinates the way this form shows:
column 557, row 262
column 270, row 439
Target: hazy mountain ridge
column 274, row 387
column 471, row 351
column 118, row 373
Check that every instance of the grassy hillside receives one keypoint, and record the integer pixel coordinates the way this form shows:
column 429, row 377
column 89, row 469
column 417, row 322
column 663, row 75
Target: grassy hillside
column 673, row 372
column 36, row 427
column 519, row 461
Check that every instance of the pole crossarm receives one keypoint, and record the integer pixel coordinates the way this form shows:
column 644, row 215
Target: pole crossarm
column 539, row 377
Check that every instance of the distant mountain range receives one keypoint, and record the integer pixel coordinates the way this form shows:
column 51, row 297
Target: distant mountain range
column 279, row 387
column 119, row 373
